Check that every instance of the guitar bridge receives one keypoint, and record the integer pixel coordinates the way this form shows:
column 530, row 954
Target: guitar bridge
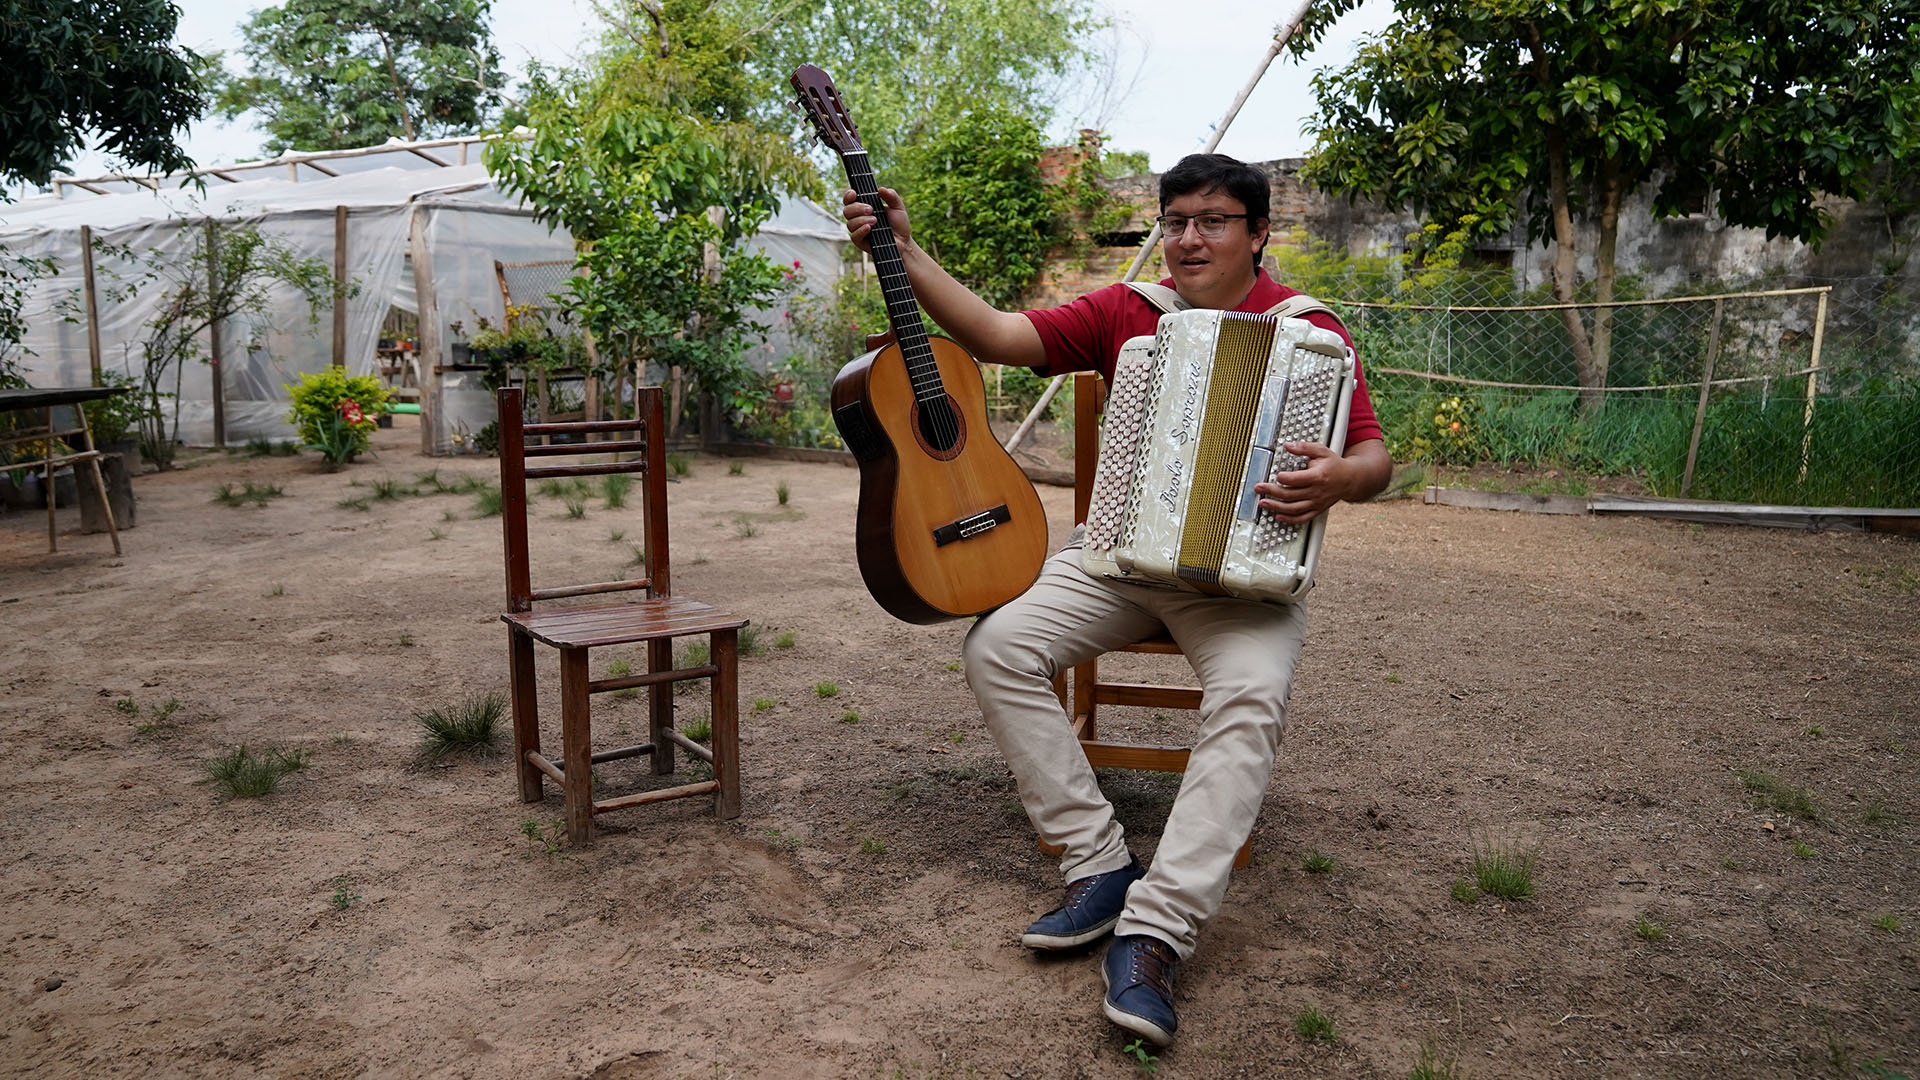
column 967, row 528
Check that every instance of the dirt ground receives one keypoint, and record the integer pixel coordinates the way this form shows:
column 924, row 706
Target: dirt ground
column 1585, row 690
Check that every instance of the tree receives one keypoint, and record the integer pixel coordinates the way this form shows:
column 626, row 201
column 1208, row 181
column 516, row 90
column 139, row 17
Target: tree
column 337, row 74
column 101, row 68
column 1482, row 107
column 657, row 162
column 910, row 70
column 982, row 204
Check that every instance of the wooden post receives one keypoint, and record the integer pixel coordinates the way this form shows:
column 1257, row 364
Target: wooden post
column 213, row 332
column 426, row 357
column 1700, row 410
column 1813, row 380
column 339, row 286
column 92, row 301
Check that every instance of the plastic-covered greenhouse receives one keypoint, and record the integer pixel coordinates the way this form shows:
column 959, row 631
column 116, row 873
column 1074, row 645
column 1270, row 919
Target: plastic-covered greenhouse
column 421, row 228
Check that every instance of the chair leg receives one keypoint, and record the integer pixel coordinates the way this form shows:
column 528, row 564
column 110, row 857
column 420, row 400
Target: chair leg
column 660, row 706
column 526, row 713
column 726, row 723
column 576, row 741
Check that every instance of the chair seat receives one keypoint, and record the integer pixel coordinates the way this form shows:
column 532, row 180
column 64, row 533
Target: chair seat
column 1161, row 645
column 618, row 624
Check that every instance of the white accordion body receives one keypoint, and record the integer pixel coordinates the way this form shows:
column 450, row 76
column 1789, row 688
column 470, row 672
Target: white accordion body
column 1195, row 417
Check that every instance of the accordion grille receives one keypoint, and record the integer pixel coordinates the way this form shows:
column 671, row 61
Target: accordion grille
column 1233, row 397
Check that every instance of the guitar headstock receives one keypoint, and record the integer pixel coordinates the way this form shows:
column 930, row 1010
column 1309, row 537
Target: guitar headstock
column 822, row 104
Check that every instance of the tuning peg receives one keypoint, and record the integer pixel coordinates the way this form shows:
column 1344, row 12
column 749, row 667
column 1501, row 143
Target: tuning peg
column 793, row 106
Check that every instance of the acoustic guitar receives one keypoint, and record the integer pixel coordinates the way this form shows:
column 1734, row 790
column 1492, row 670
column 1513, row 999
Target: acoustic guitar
column 948, row 525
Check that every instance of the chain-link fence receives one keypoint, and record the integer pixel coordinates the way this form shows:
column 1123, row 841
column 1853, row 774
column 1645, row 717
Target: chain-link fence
column 1805, row 394
column 527, row 289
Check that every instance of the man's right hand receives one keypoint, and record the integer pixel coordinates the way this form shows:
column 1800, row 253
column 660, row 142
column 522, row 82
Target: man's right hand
column 861, row 218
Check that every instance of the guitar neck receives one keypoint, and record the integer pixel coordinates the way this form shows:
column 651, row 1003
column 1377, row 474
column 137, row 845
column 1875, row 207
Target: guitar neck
column 903, row 311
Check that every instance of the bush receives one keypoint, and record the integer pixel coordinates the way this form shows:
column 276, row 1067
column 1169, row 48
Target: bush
column 327, row 422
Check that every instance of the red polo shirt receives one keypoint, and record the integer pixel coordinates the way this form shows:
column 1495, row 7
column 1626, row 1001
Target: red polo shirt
column 1086, row 335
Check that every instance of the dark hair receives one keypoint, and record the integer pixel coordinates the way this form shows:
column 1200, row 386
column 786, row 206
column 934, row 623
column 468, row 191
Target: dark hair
column 1208, row 172
column 1217, row 172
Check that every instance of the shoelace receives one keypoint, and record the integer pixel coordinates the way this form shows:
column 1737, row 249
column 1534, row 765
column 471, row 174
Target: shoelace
column 1077, row 891
column 1152, row 967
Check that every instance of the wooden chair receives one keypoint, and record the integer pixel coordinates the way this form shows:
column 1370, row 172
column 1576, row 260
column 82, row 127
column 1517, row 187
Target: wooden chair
column 656, row 619
column 1088, row 691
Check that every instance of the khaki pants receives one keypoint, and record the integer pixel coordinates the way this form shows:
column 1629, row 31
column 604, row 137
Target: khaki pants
column 1243, row 652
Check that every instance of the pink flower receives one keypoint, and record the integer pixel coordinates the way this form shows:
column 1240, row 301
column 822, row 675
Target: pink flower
column 796, row 264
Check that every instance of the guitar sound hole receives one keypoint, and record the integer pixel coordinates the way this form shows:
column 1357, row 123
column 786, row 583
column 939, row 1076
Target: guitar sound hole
column 939, row 425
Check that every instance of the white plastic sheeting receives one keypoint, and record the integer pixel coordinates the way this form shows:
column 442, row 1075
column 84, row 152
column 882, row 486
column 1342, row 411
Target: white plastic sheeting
column 469, row 225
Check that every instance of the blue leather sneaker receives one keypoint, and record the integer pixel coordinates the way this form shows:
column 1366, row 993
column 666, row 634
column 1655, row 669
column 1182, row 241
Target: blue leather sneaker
column 1093, row 905
column 1139, row 971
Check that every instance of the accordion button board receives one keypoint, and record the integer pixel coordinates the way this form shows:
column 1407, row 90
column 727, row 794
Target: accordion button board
column 1195, row 417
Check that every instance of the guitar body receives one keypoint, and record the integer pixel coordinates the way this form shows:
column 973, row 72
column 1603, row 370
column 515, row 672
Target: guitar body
column 943, row 532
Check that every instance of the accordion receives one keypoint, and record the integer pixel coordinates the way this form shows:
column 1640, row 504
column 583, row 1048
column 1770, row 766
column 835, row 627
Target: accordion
column 1195, row 418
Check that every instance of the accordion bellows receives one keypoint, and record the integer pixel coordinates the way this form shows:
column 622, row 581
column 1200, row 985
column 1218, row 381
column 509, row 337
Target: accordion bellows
column 1196, row 416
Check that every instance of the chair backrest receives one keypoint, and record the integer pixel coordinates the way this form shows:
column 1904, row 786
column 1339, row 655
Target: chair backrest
column 644, row 434
column 1089, row 393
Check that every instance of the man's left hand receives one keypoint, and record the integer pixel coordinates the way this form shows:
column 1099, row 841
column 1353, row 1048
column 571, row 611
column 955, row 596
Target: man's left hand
column 1300, row 496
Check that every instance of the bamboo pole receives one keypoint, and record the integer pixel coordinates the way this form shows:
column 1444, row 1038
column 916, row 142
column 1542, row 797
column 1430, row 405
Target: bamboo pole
column 340, row 286
column 92, row 302
column 1288, row 25
column 1813, row 381
column 213, row 332
column 1706, row 387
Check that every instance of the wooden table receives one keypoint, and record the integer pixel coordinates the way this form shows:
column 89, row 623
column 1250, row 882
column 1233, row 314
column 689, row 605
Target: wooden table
column 44, row 401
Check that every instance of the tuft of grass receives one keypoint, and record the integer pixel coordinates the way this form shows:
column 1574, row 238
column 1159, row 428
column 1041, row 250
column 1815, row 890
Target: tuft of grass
column 1878, row 815
column 614, row 489
column 343, row 895
column 406, row 640
column 358, row 504
column 387, row 489
column 639, row 555
column 1814, row 731
column 698, row 730
column 545, row 837
column 872, row 845
column 745, row 529
column 850, row 717
column 785, row 640
column 1464, row 891
column 1316, row 863
column 614, row 536
column 277, row 590
column 678, row 465
column 784, row 840
column 749, row 641
column 1802, row 850
column 436, row 534
column 1774, row 793
column 488, row 500
column 241, row 774
column 472, row 726
column 261, row 446
column 953, row 665
column 697, row 654
column 1889, row 923
column 127, row 706
column 762, row 704
column 1432, row 1065
column 249, row 494
column 1393, row 676
column 826, row 689
column 1315, row 1026
column 159, row 717
column 448, row 515
column 781, row 492
column 699, row 558
column 736, row 468
column 430, row 481
column 1647, row 930
column 576, row 507
column 1502, row 871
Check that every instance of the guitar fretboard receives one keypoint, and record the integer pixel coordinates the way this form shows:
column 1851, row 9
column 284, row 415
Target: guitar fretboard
column 903, row 311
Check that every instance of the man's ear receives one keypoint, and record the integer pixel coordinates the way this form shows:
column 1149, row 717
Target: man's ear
column 1260, row 235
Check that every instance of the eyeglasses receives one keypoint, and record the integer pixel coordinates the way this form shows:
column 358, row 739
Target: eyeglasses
column 1211, row 226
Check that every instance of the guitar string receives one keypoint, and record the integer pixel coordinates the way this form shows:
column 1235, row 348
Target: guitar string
column 903, row 311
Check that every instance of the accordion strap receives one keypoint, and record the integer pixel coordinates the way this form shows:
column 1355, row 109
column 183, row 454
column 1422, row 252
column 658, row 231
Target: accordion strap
column 1168, row 301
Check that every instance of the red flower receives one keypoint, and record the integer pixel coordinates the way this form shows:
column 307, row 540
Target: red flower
column 350, row 409
column 796, row 264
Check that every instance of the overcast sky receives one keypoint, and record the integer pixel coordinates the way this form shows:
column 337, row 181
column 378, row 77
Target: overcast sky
column 1184, row 62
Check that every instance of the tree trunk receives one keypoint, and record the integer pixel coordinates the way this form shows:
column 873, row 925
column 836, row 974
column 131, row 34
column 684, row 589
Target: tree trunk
column 1565, row 241
column 1603, row 286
